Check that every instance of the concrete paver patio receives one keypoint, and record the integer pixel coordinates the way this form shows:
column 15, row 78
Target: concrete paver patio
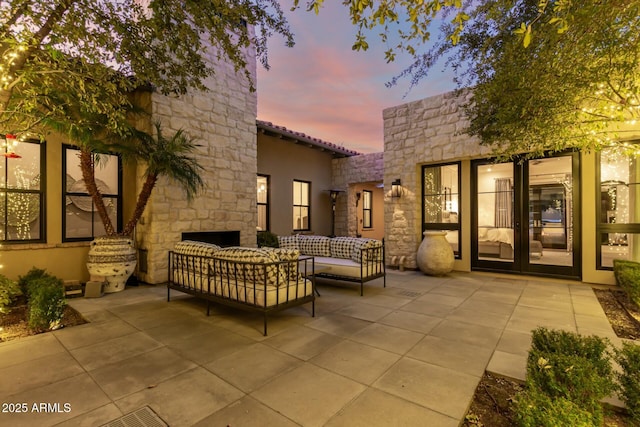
column 410, row 354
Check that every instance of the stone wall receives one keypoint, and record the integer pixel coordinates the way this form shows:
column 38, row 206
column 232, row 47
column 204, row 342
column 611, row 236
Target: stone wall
column 427, row 131
column 346, row 172
column 223, row 121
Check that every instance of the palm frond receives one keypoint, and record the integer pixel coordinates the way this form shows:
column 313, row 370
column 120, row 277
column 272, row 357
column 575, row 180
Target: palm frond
column 173, row 157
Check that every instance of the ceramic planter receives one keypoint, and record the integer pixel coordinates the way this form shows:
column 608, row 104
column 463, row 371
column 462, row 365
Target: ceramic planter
column 435, row 255
column 114, row 258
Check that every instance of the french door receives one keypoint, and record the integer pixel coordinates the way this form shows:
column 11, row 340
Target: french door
column 526, row 216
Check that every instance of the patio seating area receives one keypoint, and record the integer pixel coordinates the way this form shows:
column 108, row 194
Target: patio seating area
column 410, row 354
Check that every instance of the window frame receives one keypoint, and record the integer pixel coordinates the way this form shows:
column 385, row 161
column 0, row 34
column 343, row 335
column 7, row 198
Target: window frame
column 94, row 214
column 609, row 228
column 267, row 204
column 367, row 212
column 308, row 206
column 447, row 226
column 42, row 192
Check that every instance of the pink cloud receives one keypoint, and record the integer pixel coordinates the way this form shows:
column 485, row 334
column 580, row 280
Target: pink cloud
column 324, row 89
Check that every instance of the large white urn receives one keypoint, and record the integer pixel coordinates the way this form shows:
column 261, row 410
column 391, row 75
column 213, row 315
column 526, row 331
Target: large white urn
column 114, row 258
column 435, row 255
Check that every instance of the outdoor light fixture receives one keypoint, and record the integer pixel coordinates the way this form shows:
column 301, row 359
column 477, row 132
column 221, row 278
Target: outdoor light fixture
column 333, row 195
column 396, row 188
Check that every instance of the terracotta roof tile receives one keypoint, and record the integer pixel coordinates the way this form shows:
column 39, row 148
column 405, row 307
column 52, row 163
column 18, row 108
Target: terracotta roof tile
column 302, row 137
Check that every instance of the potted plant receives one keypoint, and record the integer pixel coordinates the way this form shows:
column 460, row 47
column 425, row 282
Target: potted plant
column 267, row 239
column 113, row 255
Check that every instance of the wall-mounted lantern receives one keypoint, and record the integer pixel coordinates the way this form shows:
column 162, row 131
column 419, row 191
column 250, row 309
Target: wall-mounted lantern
column 333, row 195
column 396, row 188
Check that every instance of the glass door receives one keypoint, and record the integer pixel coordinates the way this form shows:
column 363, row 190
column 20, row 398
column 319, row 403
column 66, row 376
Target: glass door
column 551, row 200
column 525, row 216
column 494, row 242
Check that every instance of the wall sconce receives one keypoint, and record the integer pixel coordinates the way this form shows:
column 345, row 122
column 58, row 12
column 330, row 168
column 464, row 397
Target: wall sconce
column 333, row 195
column 396, row 188
column 358, row 195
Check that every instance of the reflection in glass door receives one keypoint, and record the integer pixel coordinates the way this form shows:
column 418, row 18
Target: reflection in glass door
column 524, row 216
column 550, row 211
column 495, row 213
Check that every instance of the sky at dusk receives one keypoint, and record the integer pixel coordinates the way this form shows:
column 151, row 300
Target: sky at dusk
column 324, row 89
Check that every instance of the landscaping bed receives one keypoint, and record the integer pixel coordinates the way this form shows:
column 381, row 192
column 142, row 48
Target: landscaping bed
column 492, row 405
column 14, row 325
column 622, row 312
column 492, row 401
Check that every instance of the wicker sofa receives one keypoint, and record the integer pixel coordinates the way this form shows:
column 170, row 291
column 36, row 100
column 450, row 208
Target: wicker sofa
column 352, row 259
column 263, row 280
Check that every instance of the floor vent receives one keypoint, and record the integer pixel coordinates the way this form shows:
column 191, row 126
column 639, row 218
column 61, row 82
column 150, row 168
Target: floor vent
column 143, row 417
column 409, row 294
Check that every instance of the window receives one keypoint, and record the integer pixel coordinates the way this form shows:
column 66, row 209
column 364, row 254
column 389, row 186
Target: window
column 22, row 190
column 619, row 207
column 80, row 217
column 367, row 201
column 263, row 202
column 301, row 205
column 440, row 205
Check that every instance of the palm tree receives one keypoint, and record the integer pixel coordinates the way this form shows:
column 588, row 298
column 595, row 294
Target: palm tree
column 170, row 156
column 165, row 156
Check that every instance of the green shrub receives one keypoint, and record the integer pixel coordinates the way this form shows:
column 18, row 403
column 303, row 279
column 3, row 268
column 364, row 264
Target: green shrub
column 566, row 365
column 267, row 239
column 9, row 290
column 563, row 342
column 46, row 302
column 33, row 274
column 627, row 274
column 592, row 348
column 534, row 408
column 628, row 357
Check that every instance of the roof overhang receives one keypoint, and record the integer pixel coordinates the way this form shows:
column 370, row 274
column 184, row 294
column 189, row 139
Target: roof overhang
column 282, row 132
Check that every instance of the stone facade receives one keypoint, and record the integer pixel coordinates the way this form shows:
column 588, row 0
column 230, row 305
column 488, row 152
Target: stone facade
column 427, row 131
column 346, row 172
column 223, row 121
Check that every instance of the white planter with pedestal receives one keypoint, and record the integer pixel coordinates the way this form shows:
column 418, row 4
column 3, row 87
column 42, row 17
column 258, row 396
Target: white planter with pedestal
column 114, row 258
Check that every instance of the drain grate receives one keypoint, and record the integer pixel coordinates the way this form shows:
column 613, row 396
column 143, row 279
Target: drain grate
column 409, row 294
column 143, row 417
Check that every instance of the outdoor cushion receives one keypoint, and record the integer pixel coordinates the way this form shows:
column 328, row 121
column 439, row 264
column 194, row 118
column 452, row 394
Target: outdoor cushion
column 342, row 247
column 198, row 249
column 261, row 296
column 314, row 245
column 288, row 242
column 191, row 247
column 363, row 243
column 253, row 271
column 287, row 255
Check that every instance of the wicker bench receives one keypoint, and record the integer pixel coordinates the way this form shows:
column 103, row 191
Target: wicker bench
column 259, row 280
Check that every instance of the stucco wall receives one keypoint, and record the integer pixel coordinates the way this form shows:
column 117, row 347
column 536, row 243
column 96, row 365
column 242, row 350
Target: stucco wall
column 64, row 260
column 348, row 171
column 285, row 161
column 223, row 120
